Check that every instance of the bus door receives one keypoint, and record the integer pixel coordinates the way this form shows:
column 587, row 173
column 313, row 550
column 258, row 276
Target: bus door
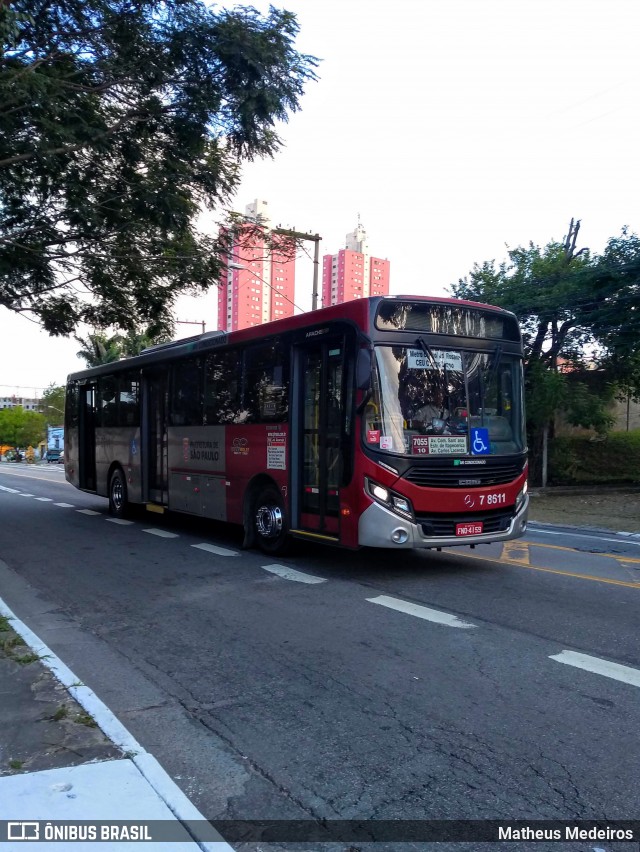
column 320, row 439
column 155, row 418
column 87, row 437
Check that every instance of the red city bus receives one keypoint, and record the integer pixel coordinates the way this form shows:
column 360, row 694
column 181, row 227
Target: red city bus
column 389, row 422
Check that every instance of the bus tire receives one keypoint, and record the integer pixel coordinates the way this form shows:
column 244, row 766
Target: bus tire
column 269, row 521
column 118, row 498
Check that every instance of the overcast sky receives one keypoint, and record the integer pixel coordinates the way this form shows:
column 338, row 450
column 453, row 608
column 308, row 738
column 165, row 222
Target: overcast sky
column 453, row 128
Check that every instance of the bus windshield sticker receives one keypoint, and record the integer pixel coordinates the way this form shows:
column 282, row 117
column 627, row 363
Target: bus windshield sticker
column 386, row 442
column 276, row 450
column 480, row 442
column 438, row 445
column 419, row 360
column 373, row 436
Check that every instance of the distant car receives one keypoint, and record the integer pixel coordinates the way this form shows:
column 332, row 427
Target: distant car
column 54, row 456
column 61, row 458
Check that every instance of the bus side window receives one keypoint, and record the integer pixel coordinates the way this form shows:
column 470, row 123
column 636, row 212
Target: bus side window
column 128, row 400
column 107, row 409
column 221, row 387
column 71, row 406
column 186, row 394
column 266, row 384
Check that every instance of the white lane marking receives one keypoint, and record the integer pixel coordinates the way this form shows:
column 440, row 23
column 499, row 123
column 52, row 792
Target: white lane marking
column 161, row 533
column 291, row 574
column 9, row 490
column 26, row 495
column 569, row 534
column 212, row 548
column 65, row 505
column 177, row 802
column 121, row 521
column 88, row 512
column 44, row 499
column 424, row 612
column 602, row 667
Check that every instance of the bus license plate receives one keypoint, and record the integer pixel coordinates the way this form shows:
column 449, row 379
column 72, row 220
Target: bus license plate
column 472, row 528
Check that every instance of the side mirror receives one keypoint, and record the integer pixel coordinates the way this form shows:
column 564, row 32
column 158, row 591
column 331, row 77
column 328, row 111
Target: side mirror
column 363, row 369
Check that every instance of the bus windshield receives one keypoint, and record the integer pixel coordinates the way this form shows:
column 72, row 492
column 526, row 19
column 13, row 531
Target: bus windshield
column 430, row 401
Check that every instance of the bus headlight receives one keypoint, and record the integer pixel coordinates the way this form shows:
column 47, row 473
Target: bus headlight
column 396, row 502
column 379, row 492
column 521, row 495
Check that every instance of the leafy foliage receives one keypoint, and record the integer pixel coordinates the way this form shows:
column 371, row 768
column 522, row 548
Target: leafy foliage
column 52, row 404
column 577, row 460
column 19, row 428
column 120, row 120
column 98, row 348
column 570, row 305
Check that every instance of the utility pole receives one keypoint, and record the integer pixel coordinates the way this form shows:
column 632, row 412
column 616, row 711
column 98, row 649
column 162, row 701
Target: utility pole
column 191, row 322
column 315, row 238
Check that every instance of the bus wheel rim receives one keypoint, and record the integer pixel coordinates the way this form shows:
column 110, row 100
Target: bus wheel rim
column 269, row 521
column 116, row 493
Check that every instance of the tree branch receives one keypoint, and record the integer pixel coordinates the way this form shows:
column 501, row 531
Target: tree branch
column 67, row 149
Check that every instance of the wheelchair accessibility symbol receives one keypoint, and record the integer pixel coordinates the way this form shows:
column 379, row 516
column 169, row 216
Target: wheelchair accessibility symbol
column 480, row 442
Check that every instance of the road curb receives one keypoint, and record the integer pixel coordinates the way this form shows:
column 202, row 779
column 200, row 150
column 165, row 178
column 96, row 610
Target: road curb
column 603, row 530
column 158, row 778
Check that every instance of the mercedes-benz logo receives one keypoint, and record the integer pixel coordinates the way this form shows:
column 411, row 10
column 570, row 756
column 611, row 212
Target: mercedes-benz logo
column 469, row 501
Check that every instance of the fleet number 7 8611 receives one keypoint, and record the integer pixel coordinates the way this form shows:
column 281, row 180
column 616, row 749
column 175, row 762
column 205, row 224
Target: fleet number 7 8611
column 493, row 499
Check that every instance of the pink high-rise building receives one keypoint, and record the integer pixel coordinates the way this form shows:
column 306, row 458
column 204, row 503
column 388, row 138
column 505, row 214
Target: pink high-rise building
column 352, row 273
column 258, row 284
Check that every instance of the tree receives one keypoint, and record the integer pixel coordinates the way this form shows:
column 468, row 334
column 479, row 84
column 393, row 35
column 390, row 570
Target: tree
column 133, row 342
column 52, row 404
column 573, row 306
column 615, row 315
column 19, row 428
column 119, row 122
column 98, row 349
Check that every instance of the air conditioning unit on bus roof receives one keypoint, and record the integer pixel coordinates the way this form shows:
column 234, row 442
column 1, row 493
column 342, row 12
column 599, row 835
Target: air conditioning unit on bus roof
column 171, row 344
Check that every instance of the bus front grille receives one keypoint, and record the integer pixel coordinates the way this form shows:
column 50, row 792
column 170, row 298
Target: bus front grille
column 463, row 476
column 440, row 524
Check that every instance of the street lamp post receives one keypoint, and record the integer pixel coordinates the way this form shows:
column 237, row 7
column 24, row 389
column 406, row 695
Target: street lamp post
column 192, row 322
column 315, row 238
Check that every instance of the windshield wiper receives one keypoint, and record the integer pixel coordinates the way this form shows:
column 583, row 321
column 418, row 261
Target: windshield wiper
column 442, row 370
column 429, row 351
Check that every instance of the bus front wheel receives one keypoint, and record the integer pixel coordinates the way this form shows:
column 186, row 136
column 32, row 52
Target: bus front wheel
column 118, row 503
column 270, row 528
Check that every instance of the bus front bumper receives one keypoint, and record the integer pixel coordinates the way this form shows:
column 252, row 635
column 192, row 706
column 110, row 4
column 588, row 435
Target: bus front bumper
column 379, row 527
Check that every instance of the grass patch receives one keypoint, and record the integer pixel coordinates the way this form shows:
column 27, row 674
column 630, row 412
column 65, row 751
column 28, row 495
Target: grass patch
column 13, row 642
column 61, row 713
column 4, row 624
column 86, row 719
column 25, row 659
column 16, row 764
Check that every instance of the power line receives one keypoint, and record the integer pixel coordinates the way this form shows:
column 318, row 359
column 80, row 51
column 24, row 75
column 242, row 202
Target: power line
column 264, row 281
column 23, row 387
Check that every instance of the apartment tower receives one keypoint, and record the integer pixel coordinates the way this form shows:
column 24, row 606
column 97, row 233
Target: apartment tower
column 353, row 273
column 258, row 284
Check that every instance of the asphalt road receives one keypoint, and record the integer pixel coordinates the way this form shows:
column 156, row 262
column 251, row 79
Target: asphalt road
column 465, row 684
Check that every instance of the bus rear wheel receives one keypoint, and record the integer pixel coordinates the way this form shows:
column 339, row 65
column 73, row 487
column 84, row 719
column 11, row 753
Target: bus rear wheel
column 270, row 527
column 118, row 499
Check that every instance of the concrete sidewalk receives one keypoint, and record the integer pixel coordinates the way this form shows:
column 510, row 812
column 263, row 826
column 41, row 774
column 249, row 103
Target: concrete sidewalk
column 65, row 756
